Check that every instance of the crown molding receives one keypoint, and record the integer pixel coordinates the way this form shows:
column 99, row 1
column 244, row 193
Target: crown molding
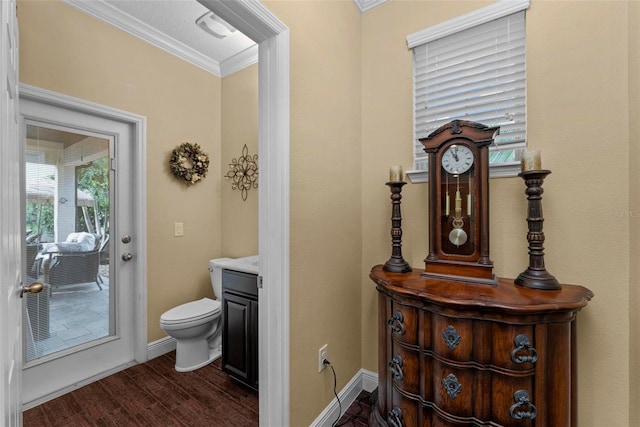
column 239, row 61
column 366, row 5
column 109, row 14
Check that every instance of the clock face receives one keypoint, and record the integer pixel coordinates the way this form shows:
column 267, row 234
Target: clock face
column 457, row 159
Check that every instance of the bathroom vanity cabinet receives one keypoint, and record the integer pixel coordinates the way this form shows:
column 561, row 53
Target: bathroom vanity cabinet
column 240, row 326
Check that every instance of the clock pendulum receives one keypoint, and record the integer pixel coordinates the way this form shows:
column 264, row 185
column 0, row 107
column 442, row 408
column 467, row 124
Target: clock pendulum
column 457, row 236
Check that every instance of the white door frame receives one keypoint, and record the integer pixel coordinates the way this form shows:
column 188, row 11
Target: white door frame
column 138, row 124
column 10, row 224
column 253, row 19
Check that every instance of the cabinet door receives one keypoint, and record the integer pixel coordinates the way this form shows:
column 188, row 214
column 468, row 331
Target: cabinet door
column 236, row 336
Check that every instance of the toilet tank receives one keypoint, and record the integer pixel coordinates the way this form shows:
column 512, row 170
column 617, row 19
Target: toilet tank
column 215, row 271
column 249, row 264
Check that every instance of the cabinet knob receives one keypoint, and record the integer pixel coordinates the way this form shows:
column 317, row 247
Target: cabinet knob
column 395, row 366
column 523, row 352
column 522, row 409
column 394, row 417
column 396, row 323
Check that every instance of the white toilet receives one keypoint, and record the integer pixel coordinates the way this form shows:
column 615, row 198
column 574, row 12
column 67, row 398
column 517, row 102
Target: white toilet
column 197, row 326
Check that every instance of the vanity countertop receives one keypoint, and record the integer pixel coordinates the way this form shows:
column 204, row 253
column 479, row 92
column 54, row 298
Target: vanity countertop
column 249, row 264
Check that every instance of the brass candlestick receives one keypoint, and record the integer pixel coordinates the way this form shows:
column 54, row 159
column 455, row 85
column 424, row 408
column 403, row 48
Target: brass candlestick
column 396, row 263
column 536, row 276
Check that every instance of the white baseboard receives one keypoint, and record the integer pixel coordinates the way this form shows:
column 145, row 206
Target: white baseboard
column 159, row 347
column 362, row 380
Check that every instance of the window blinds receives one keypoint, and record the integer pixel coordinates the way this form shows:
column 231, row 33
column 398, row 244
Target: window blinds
column 477, row 74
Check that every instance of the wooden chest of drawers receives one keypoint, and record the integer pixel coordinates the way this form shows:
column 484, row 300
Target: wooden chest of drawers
column 457, row 353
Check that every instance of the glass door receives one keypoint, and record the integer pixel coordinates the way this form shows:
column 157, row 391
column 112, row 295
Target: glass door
column 79, row 208
column 67, row 188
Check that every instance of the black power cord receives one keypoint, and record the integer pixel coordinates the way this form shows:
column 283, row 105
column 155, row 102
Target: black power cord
column 335, row 423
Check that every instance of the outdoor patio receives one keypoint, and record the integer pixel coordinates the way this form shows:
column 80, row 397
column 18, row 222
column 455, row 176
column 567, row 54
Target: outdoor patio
column 67, row 317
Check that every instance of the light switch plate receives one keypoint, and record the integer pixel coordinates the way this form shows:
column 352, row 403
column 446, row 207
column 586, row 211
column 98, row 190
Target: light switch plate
column 178, row 229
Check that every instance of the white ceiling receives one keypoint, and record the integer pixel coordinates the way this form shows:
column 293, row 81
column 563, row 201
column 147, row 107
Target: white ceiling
column 170, row 25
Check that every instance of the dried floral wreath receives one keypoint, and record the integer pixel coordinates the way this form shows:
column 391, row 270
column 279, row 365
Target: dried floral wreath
column 189, row 162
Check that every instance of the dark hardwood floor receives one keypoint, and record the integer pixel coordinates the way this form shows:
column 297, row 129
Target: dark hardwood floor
column 154, row 394
column 357, row 415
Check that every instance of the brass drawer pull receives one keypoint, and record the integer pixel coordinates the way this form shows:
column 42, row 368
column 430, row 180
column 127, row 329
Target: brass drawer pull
column 522, row 409
column 523, row 344
column 396, row 323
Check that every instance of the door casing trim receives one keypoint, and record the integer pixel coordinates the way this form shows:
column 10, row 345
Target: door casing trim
column 139, row 129
column 256, row 21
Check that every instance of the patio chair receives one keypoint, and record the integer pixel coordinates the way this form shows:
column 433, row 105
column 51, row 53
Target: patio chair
column 69, row 267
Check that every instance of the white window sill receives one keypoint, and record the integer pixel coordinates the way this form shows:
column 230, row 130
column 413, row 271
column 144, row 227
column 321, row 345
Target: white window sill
column 504, row 170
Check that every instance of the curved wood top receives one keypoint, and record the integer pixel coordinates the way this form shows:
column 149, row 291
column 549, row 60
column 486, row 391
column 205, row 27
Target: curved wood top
column 504, row 296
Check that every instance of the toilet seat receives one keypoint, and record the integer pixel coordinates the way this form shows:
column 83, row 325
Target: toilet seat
column 201, row 310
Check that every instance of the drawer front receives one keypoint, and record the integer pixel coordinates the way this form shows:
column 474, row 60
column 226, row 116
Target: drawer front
column 483, row 395
column 403, row 411
column 404, row 369
column 403, row 324
column 452, row 338
column 453, row 389
column 513, row 401
column 239, row 282
column 513, row 346
column 482, row 342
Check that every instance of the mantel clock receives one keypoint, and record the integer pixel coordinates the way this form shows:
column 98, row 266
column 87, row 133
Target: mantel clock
column 458, row 154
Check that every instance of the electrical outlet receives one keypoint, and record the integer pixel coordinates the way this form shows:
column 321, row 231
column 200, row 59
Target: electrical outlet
column 323, row 354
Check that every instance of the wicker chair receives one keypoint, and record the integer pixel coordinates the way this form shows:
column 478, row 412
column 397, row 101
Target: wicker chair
column 76, row 267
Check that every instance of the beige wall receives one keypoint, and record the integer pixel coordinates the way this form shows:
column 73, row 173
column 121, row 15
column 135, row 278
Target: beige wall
column 64, row 50
column 239, row 127
column 351, row 119
column 578, row 115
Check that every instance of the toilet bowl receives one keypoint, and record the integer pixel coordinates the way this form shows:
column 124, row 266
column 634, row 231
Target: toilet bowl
column 193, row 325
column 197, row 327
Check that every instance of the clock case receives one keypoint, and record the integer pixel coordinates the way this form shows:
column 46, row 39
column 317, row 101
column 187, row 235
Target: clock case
column 469, row 261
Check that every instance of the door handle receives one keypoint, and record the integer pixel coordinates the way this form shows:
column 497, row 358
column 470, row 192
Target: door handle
column 126, row 256
column 33, row 288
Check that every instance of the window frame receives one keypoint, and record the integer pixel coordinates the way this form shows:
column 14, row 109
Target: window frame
column 460, row 23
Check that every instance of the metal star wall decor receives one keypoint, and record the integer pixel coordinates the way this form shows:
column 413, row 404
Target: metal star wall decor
column 243, row 172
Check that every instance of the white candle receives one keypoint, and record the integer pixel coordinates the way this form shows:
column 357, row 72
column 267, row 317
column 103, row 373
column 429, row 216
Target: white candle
column 395, row 174
column 531, row 161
